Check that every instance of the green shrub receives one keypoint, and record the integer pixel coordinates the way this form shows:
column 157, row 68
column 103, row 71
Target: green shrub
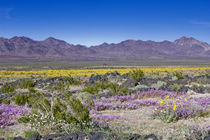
column 179, row 75
column 28, row 134
column 6, row 101
column 32, row 90
column 80, row 111
column 136, row 74
column 54, row 114
column 6, row 88
column 25, row 83
column 103, row 84
column 71, row 81
column 91, row 89
column 117, row 90
column 175, row 87
column 139, row 87
column 22, row 99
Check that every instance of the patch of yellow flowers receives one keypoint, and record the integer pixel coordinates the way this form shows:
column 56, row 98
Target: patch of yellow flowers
column 88, row 72
column 164, row 104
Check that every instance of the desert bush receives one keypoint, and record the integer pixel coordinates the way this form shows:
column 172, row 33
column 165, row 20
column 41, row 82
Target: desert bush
column 175, row 87
column 32, row 90
column 179, row 75
column 91, row 89
column 6, row 88
column 72, row 81
column 22, row 99
column 29, row 133
column 136, row 74
column 60, row 87
column 5, row 101
column 117, row 90
column 56, row 115
column 25, row 83
column 159, row 84
column 139, row 87
column 102, row 84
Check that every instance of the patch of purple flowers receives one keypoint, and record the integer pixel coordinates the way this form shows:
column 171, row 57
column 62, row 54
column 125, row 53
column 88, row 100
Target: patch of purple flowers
column 161, row 93
column 202, row 101
column 10, row 112
column 135, row 104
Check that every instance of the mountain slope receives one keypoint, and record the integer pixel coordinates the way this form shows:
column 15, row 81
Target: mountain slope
column 51, row 48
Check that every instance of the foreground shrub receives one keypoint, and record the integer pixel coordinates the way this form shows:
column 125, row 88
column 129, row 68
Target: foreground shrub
column 136, row 74
column 57, row 115
column 6, row 88
column 171, row 111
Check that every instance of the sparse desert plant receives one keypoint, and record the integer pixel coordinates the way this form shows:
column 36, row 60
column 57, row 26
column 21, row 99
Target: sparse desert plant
column 159, row 84
column 136, row 74
column 55, row 114
column 71, row 81
column 6, row 88
column 175, row 87
column 5, row 101
column 179, row 75
column 117, row 90
column 22, row 99
column 25, row 83
column 60, row 87
column 102, row 84
column 32, row 90
column 91, row 89
column 29, row 133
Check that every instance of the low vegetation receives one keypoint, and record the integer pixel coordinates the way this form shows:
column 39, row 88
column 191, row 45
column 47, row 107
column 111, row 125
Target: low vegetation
column 164, row 103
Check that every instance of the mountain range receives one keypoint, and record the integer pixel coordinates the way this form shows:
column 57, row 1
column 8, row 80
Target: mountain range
column 54, row 49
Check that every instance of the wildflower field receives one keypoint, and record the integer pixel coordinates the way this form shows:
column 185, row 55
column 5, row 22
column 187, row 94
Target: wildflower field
column 128, row 104
column 88, row 72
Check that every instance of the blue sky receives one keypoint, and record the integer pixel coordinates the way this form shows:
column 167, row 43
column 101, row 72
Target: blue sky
column 92, row 22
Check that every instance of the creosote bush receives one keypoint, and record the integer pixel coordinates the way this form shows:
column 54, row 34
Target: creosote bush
column 117, row 90
column 28, row 134
column 136, row 74
column 25, row 83
column 6, row 88
column 22, row 99
column 91, row 89
column 56, row 114
column 179, row 75
column 71, row 81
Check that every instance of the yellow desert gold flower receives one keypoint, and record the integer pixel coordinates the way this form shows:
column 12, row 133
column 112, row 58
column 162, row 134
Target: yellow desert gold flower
column 174, row 108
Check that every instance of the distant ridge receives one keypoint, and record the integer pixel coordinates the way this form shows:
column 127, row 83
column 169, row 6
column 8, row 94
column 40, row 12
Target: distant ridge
column 55, row 49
